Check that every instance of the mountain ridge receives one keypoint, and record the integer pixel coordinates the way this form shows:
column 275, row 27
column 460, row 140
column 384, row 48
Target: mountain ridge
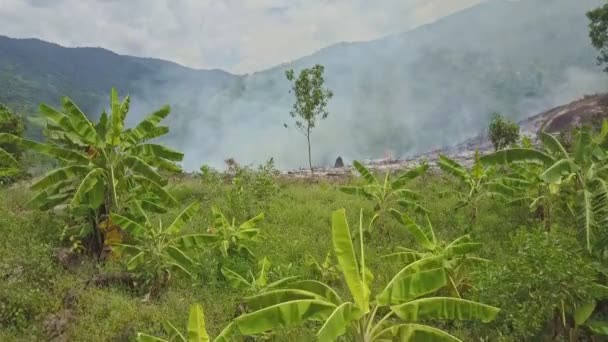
column 443, row 78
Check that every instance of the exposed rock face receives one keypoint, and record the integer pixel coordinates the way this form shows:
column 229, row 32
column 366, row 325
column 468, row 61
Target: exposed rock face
column 339, row 162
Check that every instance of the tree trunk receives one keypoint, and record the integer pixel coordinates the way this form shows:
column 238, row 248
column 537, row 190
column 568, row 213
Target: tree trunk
column 309, row 157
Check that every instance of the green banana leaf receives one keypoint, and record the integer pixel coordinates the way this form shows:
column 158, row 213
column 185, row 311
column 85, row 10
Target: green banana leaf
column 182, row 219
column 283, row 315
column 345, row 254
column 444, row 308
column 338, row 322
column 415, row 332
column 412, row 282
column 197, row 332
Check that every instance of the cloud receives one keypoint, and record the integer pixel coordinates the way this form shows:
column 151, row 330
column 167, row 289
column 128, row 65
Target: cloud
column 236, row 35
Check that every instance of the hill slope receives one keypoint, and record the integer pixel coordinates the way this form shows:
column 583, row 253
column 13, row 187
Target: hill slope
column 401, row 95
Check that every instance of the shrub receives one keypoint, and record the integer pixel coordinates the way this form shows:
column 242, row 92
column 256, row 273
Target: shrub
column 537, row 276
column 503, row 132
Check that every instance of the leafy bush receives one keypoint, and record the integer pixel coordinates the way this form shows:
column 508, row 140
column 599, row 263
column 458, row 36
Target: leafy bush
column 10, row 152
column 503, row 132
column 537, row 276
column 403, row 302
column 250, row 190
column 388, row 192
column 158, row 251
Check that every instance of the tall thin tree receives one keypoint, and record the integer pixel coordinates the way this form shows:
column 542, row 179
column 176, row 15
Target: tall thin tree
column 311, row 101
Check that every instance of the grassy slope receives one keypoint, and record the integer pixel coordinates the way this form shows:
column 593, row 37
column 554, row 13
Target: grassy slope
column 298, row 221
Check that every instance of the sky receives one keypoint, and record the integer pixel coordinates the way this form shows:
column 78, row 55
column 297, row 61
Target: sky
column 240, row 36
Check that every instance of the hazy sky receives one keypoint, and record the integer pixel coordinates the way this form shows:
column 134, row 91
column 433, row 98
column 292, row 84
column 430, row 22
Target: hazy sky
column 240, row 36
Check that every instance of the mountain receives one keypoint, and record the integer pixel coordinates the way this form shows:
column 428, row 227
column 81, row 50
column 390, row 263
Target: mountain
column 401, row 95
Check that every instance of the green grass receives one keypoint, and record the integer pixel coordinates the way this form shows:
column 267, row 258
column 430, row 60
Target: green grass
column 33, row 285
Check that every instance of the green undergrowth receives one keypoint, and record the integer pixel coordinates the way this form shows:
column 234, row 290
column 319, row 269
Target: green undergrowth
column 37, row 292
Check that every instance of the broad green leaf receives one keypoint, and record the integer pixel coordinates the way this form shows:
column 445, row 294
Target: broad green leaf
column 557, row 171
column 148, row 128
column 148, row 338
column 582, row 144
column 60, row 175
column 403, row 258
column 444, row 308
column 318, row 288
column 337, row 323
column 152, row 206
column 156, row 189
column 56, row 117
column 83, row 127
column 264, row 266
column 407, row 286
column 251, row 223
column 180, row 257
column 46, row 149
column 128, row 225
column 158, row 151
column 355, row 190
column 463, row 248
column 52, row 196
column 141, row 168
column 415, row 332
column 116, row 118
column 183, row 218
column 552, row 145
column 173, row 331
column 197, row 332
column 102, row 126
column 195, row 240
column 598, row 327
column 422, row 237
column 283, row 315
column 452, row 167
column 91, row 188
column 517, row 155
column 228, row 334
column 7, row 160
column 275, row 297
column 409, row 175
column 136, row 260
column 345, row 254
column 583, row 312
column 413, row 206
column 365, row 173
column 407, row 194
column 219, row 219
column 234, row 279
column 281, row 281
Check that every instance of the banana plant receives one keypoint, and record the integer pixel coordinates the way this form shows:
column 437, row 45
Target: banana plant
column 226, row 236
column 256, row 284
column 9, row 166
column 456, row 256
column 585, row 168
column 197, row 330
column 477, row 184
column 389, row 192
column 327, row 270
column 530, row 190
column 156, row 252
column 105, row 167
column 396, row 313
column 583, row 321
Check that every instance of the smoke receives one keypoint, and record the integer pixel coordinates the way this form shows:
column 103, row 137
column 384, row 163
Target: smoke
column 405, row 94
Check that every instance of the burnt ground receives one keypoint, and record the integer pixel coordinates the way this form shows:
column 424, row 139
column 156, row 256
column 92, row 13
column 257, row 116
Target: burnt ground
column 588, row 110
